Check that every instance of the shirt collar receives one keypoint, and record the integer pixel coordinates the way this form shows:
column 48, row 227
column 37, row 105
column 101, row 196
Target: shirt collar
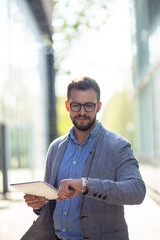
column 92, row 134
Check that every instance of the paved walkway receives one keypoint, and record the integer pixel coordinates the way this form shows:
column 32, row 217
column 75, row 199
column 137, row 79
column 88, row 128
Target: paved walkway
column 143, row 220
column 15, row 219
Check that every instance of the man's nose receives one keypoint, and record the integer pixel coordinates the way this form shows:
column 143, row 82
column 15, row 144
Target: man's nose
column 82, row 110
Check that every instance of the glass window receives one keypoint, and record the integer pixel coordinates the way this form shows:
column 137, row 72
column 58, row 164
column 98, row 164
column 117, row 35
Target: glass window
column 23, row 84
column 1, row 188
column 156, row 89
column 146, row 119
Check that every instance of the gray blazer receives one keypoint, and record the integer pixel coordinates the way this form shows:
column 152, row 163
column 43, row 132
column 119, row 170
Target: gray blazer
column 115, row 180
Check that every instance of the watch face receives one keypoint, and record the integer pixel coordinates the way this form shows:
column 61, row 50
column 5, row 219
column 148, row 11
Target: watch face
column 84, row 185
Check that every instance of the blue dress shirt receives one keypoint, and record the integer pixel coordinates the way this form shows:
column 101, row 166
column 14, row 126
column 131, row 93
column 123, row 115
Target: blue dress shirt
column 66, row 213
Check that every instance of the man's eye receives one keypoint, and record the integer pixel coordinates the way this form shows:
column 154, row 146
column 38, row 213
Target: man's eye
column 89, row 105
column 75, row 105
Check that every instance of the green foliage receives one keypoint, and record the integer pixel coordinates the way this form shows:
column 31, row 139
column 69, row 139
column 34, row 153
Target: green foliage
column 118, row 115
column 63, row 120
column 72, row 19
column 73, row 16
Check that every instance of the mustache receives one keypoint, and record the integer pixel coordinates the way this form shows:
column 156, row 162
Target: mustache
column 83, row 116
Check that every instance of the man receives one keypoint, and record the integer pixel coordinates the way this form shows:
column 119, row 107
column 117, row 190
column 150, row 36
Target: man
column 95, row 172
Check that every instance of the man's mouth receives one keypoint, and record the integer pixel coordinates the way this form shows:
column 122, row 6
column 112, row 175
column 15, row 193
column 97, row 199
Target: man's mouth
column 79, row 117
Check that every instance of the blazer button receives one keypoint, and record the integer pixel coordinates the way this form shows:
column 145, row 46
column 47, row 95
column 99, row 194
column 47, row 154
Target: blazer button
column 94, row 194
column 84, row 216
column 100, row 195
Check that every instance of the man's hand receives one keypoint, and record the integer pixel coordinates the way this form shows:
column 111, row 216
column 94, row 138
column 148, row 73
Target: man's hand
column 35, row 202
column 69, row 188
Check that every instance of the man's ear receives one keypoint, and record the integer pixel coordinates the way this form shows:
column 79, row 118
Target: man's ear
column 99, row 106
column 67, row 105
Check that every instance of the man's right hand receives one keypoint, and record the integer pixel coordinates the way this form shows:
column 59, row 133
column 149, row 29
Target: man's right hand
column 35, row 202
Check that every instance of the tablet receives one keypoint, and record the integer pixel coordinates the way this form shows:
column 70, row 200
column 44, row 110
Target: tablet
column 37, row 188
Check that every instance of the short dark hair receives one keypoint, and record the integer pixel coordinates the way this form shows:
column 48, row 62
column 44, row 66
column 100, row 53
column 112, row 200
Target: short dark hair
column 83, row 83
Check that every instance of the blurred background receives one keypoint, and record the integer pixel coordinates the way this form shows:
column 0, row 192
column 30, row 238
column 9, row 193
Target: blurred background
column 44, row 44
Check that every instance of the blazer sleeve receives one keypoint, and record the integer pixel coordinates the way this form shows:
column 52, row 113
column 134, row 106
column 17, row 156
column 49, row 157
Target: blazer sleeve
column 127, row 187
column 49, row 158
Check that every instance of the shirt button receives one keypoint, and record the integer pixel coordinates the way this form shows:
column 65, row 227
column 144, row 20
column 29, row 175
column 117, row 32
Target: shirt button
column 79, row 147
column 74, row 162
column 65, row 213
column 64, row 230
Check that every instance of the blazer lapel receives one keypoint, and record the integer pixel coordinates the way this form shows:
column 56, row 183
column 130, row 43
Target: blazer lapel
column 91, row 155
column 57, row 161
column 89, row 161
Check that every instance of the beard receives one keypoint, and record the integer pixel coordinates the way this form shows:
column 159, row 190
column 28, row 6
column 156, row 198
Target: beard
column 83, row 127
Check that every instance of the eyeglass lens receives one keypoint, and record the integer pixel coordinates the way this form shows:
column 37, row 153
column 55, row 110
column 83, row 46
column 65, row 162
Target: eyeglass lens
column 89, row 107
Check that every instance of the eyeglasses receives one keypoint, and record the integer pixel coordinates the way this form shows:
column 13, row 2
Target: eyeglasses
column 88, row 107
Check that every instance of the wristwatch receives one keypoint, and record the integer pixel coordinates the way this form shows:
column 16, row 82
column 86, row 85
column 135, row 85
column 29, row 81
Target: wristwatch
column 84, row 186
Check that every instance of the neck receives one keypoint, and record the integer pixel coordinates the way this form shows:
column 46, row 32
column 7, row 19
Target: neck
column 82, row 135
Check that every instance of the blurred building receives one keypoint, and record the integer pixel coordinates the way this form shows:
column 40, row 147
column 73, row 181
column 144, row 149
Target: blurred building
column 145, row 18
column 27, row 96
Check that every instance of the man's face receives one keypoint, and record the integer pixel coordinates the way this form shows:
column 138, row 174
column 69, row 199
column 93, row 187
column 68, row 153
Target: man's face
column 81, row 119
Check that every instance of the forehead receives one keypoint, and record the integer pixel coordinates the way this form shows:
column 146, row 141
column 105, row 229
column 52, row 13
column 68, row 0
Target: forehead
column 83, row 96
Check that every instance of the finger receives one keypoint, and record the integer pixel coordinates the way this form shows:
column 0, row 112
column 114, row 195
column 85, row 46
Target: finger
column 36, row 205
column 65, row 189
column 65, row 192
column 37, row 202
column 27, row 196
column 33, row 197
column 65, row 196
column 60, row 199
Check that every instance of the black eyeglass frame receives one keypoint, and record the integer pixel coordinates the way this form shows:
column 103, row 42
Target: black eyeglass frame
column 84, row 105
